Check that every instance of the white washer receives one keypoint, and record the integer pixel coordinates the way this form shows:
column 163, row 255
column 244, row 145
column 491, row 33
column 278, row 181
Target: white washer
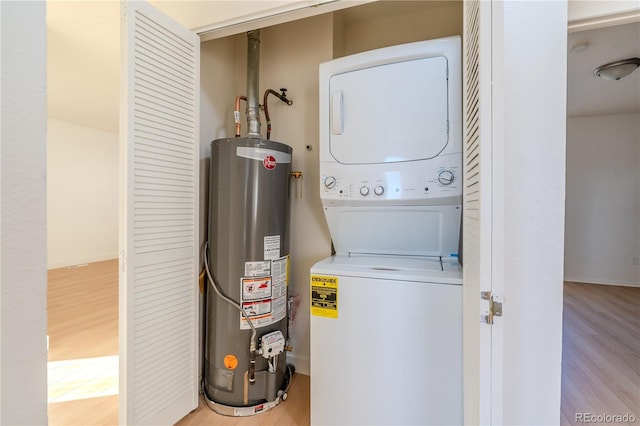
column 393, row 354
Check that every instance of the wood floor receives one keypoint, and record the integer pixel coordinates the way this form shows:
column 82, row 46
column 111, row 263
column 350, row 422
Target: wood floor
column 83, row 342
column 600, row 365
column 601, row 353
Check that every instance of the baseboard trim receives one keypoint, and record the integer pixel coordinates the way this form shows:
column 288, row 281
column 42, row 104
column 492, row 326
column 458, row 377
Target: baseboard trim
column 302, row 363
column 73, row 262
column 602, row 282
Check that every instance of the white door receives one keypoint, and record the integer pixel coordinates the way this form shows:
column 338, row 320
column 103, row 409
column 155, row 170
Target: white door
column 159, row 263
column 482, row 342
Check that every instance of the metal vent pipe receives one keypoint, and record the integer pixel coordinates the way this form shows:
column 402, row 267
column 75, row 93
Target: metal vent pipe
column 253, row 81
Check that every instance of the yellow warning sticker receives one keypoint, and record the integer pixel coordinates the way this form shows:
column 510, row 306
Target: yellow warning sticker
column 324, row 296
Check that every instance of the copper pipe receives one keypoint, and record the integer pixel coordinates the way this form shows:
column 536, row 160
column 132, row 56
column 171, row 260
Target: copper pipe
column 282, row 97
column 236, row 114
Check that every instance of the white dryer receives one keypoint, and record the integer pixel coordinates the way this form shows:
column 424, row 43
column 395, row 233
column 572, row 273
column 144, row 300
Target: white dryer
column 386, row 310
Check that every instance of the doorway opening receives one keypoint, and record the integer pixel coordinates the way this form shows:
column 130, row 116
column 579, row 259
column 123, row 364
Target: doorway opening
column 601, row 344
column 82, row 212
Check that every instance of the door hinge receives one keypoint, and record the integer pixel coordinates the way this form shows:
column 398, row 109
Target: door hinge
column 123, row 10
column 495, row 308
column 123, row 261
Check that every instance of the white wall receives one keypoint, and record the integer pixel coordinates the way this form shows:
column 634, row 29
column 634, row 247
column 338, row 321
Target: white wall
column 425, row 23
column 529, row 128
column 82, row 194
column 23, row 275
column 603, row 199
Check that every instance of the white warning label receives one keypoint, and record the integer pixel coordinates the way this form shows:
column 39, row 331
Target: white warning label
column 259, row 312
column 264, row 299
column 257, row 269
column 271, row 247
column 279, row 297
column 279, row 270
column 256, row 288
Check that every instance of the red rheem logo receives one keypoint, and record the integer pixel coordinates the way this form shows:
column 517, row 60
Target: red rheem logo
column 269, row 162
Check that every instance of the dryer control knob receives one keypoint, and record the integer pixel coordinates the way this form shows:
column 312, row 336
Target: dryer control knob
column 329, row 182
column 364, row 191
column 446, row 177
column 379, row 190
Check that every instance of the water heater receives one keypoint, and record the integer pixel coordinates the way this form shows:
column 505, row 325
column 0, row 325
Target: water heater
column 248, row 260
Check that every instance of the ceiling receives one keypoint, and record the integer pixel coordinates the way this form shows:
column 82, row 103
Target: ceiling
column 83, row 56
column 591, row 95
column 83, row 70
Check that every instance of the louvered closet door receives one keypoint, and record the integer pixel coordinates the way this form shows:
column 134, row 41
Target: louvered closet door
column 477, row 214
column 159, row 218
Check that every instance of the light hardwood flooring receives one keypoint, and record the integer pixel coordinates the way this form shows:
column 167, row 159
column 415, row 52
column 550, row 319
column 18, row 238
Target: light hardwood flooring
column 601, row 352
column 600, row 365
column 83, row 344
column 83, row 350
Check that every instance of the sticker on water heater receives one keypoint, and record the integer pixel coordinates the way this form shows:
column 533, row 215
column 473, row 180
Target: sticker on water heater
column 279, row 295
column 324, row 296
column 256, row 288
column 257, row 269
column 231, row 362
column 266, row 308
column 280, row 271
column 271, row 247
column 258, row 311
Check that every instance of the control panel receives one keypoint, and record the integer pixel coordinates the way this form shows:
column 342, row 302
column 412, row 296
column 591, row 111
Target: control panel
column 419, row 180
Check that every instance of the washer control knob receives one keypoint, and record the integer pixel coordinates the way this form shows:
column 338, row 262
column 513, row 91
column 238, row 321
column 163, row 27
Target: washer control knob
column 329, row 182
column 378, row 190
column 446, row 177
column 364, row 191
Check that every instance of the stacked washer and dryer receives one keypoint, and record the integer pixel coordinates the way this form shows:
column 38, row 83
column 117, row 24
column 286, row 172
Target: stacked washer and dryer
column 386, row 309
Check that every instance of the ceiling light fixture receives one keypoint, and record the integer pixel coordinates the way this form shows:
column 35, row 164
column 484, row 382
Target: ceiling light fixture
column 617, row 70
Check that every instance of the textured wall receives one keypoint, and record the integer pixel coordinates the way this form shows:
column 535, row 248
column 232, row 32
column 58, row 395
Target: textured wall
column 82, row 194
column 23, row 274
column 603, row 199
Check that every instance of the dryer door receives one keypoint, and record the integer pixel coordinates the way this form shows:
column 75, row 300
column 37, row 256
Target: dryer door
column 390, row 113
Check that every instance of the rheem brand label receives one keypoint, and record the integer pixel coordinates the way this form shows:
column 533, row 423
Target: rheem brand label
column 269, row 162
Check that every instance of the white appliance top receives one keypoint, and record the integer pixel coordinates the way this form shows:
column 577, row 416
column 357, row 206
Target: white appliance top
column 396, row 268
